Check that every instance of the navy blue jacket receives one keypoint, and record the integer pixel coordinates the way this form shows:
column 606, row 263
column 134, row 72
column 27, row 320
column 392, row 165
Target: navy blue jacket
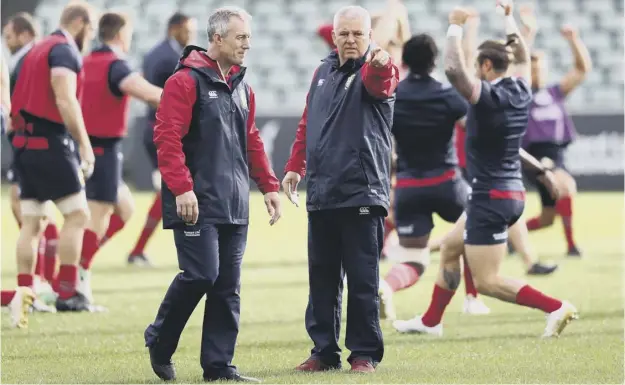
column 343, row 142
column 158, row 65
column 205, row 137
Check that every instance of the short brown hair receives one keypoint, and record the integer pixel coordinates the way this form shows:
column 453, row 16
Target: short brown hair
column 110, row 24
column 498, row 52
column 77, row 9
column 23, row 22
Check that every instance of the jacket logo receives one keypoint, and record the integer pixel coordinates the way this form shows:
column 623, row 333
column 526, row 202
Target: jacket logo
column 320, row 82
column 349, row 81
column 212, row 94
column 195, row 233
column 364, row 211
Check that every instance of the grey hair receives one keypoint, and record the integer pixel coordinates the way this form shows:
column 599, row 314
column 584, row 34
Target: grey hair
column 220, row 18
column 353, row 12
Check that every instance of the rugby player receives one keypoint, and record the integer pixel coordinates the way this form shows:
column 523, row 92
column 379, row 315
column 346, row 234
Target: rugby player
column 551, row 129
column 46, row 98
column 496, row 122
column 20, row 34
column 158, row 65
column 108, row 85
column 428, row 178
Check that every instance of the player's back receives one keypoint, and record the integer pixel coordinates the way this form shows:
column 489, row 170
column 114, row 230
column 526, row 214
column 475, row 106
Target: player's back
column 495, row 128
column 426, row 111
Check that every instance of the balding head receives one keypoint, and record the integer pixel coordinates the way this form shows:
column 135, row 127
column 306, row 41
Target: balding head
column 78, row 18
column 352, row 32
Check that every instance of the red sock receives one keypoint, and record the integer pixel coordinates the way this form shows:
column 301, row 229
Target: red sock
column 52, row 241
column 564, row 207
column 468, row 279
column 90, row 246
column 67, row 281
column 154, row 217
column 530, row 297
column 440, row 300
column 25, row 280
column 534, row 224
column 6, row 296
column 115, row 224
column 40, row 266
column 401, row 276
column 388, row 228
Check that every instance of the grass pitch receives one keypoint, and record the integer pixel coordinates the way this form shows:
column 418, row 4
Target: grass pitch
column 503, row 347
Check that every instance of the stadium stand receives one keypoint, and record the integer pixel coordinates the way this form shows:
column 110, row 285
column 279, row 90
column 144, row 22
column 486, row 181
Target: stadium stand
column 285, row 30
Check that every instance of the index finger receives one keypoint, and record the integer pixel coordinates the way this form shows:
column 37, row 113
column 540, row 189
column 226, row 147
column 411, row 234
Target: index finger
column 195, row 212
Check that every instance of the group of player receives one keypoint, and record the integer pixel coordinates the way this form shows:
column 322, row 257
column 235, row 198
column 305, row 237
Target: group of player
column 67, row 148
column 90, row 98
column 430, row 175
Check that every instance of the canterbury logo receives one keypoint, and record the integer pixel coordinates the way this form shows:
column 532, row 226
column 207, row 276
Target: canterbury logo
column 364, row 211
column 212, row 94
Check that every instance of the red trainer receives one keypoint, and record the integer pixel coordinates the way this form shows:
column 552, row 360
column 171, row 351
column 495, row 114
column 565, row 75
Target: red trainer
column 314, row 364
column 362, row 365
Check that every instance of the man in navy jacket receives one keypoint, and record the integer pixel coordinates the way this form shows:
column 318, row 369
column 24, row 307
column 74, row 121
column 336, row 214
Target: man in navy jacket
column 205, row 137
column 343, row 143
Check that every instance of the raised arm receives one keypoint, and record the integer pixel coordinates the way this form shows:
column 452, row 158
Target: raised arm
column 469, row 42
column 456, row 70
column 529, row 24
column 520, row 50
column 583, row 62
column 379, row 75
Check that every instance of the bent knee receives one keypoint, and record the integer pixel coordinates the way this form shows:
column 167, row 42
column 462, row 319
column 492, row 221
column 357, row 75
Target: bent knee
column 77, row 218
column 484, row 285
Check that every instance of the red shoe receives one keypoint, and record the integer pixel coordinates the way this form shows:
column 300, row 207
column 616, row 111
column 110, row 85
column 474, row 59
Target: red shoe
column 362, row 365
column 314, row 364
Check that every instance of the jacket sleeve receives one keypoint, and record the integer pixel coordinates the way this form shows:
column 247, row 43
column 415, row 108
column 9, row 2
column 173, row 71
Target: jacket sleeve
column 173, row 118
column 297, row 160
column 260, row 169
column 380, row 82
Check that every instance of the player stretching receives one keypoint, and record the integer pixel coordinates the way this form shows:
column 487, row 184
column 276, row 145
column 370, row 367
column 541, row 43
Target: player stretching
column 551, row 130
column 517, row 233
column 158, row 65
column 496, row 122
column 109, row 83
column 46, row 96
column 428, row 180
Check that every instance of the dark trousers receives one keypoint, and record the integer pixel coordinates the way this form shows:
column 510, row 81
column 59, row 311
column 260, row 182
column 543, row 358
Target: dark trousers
column 340, row 242
column 210, row 259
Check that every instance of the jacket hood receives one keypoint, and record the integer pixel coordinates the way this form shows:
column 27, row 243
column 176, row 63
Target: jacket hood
column 196, row 57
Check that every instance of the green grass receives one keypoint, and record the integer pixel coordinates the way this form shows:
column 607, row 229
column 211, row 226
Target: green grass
column 503, row 347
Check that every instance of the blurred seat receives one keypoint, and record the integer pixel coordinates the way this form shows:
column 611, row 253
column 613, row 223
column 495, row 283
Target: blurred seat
column 286, row 49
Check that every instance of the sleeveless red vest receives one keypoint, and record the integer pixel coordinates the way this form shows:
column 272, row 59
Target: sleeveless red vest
column 33, row 92
column 105, row 113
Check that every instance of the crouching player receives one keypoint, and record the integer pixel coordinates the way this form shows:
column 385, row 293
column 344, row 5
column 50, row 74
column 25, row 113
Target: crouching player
column 109, row 82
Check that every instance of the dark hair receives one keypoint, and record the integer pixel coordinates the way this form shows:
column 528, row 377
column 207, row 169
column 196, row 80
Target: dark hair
column 110, row 24
column 23, row 22
column 420, row 53
column 498, row 52
column 176, row 20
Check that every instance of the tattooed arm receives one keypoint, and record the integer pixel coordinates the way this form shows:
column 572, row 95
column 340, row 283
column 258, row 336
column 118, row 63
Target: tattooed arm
column 455, row 64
